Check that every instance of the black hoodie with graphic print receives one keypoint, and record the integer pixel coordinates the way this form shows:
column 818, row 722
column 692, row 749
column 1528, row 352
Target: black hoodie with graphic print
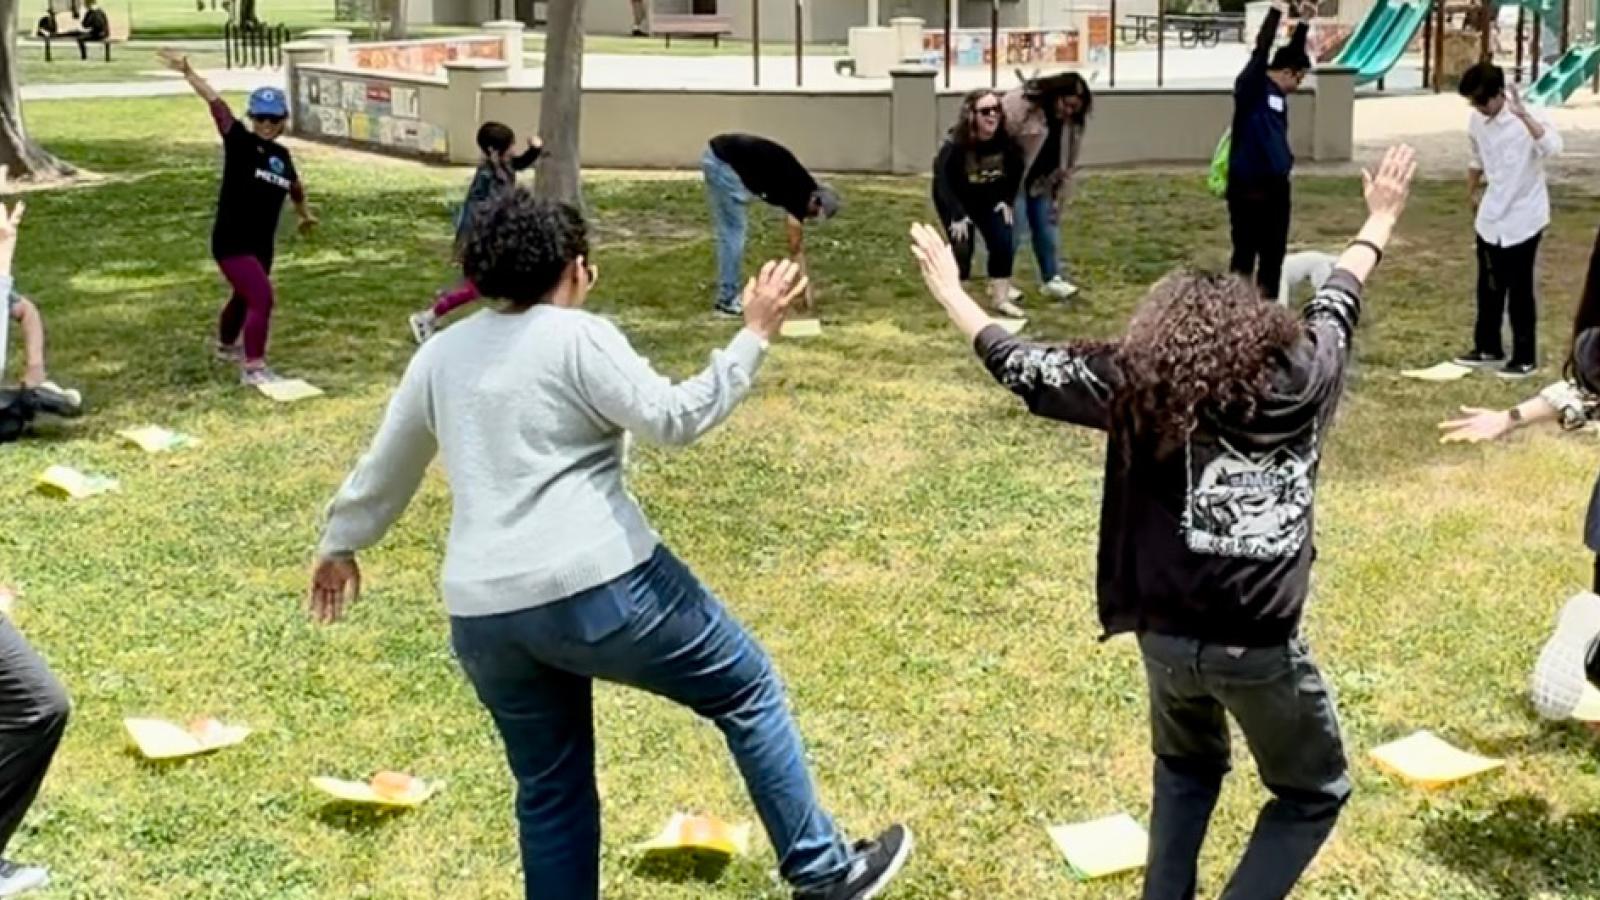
column 1214, row 540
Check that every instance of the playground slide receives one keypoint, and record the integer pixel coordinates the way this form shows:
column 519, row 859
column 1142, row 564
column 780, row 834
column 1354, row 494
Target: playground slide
column 1382, row 37
column 1572, row 70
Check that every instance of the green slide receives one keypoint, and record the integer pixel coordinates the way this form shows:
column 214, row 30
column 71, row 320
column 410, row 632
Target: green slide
column 1382, row 38
column 1575, row 67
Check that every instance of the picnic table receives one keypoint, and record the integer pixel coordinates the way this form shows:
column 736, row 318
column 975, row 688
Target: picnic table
column 1193, row 29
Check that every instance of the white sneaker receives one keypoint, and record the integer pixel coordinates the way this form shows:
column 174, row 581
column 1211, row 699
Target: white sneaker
column 1560, row 676
column 256, row 377
column 15, row 879
column 1060, row 288
column 1014, row 294
column 1008, row 308
column 422, row 326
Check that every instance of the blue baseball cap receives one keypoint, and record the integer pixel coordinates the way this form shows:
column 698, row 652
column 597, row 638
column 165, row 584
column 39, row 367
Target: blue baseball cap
column 268, row 101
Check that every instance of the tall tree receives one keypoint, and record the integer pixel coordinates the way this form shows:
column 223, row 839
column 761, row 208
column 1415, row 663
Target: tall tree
column 560, row 100
column 25, row 158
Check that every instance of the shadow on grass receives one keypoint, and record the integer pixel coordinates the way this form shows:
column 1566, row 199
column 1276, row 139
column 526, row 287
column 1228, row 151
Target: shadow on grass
column 684, row 867
column 1518, row 849
column 356, row 818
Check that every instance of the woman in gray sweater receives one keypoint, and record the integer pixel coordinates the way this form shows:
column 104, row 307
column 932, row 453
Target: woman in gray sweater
column 552, row 577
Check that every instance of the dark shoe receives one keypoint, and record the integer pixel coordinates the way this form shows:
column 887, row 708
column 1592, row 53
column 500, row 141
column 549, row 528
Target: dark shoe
column 1516, row 371
column 730, row 308
column 876, row 864
column 58, row 401
column 1478, row 359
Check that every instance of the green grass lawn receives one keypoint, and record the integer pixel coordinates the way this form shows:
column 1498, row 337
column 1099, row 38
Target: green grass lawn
column 127, row 64
column 913, row 549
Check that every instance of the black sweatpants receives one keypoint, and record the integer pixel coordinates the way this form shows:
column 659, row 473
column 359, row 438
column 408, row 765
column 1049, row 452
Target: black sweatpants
column 33, row 716
column 998, row 238
column 1506, row 284
column 1258, row 219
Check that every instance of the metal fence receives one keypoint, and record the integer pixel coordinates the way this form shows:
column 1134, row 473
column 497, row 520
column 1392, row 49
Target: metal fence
column 254, row 46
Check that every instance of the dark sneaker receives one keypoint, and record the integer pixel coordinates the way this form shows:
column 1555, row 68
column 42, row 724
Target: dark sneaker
column 1516, row 371
column 58, row 401
column 876, row 864
column 1478, row 359
column 15, row 879
column 731, row 308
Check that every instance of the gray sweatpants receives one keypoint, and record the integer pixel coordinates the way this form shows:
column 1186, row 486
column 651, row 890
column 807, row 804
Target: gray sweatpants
column 33, row 715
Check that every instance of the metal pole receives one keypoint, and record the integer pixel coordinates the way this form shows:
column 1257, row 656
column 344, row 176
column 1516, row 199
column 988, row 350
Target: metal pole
column 994, row 43
column 1538, row 49
column 1484, row 49
column 1427, row 49
column 755, row 38
column 1438, row 51
column 947, row 29
column 1111, row 37
column 1522, row 13
column 799, row 41
column 1566, row 25
column 1161, row 42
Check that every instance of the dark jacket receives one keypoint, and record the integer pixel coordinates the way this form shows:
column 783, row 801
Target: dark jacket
column 1212, row 540
column 968, row 180
column 1260, row 146
column 1586, row 371
column 489, row 178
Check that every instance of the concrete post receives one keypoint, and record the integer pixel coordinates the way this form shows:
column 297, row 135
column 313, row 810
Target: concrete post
column 914, row 119
column 512, row 33
column 908, row 38
column 295, row 55
column 337, row 41
column 466, row 78
column 1332, row 131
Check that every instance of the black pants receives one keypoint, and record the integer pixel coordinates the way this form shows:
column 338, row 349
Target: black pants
column 1505, row 283
column 33, row 715
column 998, row 238
column 1258, row 219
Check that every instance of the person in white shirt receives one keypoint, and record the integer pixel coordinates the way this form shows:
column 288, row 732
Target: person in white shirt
column 1509, row 146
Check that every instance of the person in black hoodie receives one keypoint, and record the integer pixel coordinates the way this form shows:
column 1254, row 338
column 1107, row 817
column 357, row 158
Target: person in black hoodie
column 975, row 179
column 1216, row 403
column 1259, row 158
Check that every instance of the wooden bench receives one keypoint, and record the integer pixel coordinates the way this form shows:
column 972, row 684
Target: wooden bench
column 118, row 30
column 713, row 27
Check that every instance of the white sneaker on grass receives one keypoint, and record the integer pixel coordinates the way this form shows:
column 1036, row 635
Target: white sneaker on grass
column 15, row 879
column 1060, row 288
column 1562, row 671
column 423, row 325
column 257, row 376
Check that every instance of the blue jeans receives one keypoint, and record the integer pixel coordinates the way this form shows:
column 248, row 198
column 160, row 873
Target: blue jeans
column 729, row 199
column 1286, row 713
column 1033, row 214
column 659, row 629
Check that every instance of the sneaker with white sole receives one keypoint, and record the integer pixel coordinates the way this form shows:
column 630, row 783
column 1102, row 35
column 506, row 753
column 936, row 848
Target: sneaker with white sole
column 228, row 353
column 733, row 309
column 423, row 326
column 58, row 401
column 15, row 879
column 1060, row 288
column 257, row 376
column 876, row 863
column 1564, row 664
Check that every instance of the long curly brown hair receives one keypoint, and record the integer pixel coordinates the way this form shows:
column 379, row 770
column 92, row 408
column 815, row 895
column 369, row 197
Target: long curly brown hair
column 965, row 131
column 1199, row 343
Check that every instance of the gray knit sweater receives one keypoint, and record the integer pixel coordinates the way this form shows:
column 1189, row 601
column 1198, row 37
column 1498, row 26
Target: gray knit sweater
column 530, row 412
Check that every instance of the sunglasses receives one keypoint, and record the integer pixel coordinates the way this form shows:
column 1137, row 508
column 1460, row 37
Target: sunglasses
column 987, row 110
column 269, row 120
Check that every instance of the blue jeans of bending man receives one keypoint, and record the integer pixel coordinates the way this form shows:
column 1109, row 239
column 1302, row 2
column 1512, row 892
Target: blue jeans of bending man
column 658, row 629
column 1032, row 214
column 1282, row 705
column 729, row 201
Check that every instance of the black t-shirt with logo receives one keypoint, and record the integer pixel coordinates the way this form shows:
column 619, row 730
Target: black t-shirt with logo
column 257, row 175
column 970, row 181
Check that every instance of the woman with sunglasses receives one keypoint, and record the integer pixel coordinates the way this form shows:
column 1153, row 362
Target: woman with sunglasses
column 553, row 578
column 257, row 173
column 975, row 180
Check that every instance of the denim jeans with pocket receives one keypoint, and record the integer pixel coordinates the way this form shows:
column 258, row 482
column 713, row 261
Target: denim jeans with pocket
column 1286, row 713
column 658, row 629
column 729, row 200
column 1033, row 214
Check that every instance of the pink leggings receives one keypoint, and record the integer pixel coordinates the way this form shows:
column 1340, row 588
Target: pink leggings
column 250, row 308
column 455, row 298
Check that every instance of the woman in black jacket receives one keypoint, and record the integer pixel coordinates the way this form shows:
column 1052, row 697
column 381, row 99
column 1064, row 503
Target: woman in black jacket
column 975, row 178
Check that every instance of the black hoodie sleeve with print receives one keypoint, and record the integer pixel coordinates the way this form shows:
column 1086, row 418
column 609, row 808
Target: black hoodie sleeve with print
column 1057, row 382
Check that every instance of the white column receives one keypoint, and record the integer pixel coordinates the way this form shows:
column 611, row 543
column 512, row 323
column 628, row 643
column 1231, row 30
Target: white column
column 337, row 41
column 512, row 33
column 466, row 78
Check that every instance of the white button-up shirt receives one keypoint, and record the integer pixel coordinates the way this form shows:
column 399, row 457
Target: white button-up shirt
column 1516, row 205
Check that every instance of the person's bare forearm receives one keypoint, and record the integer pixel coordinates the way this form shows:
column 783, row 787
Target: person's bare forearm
column 200, row 85
column 32, row 339
column 1534, row 410
column 1359, row 259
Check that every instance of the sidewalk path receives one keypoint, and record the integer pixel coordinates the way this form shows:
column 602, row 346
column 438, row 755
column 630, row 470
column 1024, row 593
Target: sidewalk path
column 170, row 84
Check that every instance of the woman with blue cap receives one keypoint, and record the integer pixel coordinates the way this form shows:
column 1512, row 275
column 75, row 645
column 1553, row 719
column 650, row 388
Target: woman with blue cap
column 257, row 174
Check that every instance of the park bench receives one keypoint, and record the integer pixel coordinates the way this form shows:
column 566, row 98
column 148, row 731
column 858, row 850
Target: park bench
column 118, row 30
column 713, row 27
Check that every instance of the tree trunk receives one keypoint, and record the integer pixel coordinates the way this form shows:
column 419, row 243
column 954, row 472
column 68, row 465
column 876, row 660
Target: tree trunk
column 559, row 102
column 25, row 158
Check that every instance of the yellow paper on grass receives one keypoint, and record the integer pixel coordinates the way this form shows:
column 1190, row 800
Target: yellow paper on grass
column 366, row 793
column 1102, row 847
column 155, row 439
column 1427, row 760
column 1012, row 326
column 699, row 834
column 801, row 328
column 289, row 390
column 160, row 739
column 1445, row 371
column 65, row 481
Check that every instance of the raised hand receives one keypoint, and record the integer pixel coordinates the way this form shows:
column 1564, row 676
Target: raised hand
column 937, row 262
column 1388, row 189
column 767, row 296
column 1514, row 104
column 174, row 60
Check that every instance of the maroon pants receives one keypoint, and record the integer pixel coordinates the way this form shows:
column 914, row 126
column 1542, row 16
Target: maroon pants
column 249, row 310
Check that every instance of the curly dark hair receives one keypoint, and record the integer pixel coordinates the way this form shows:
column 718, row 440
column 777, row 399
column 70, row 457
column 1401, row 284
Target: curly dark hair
column 495, row 137
column 517, row 246
column 1199, row 343
column 964, row 132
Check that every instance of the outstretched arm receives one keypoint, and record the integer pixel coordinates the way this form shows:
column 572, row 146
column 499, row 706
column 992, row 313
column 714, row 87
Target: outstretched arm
column 1262, row 52
column 179, row 63
column 529, row 156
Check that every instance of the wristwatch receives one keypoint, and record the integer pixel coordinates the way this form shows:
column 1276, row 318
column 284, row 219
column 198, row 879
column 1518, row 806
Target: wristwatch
column 1515, row 415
